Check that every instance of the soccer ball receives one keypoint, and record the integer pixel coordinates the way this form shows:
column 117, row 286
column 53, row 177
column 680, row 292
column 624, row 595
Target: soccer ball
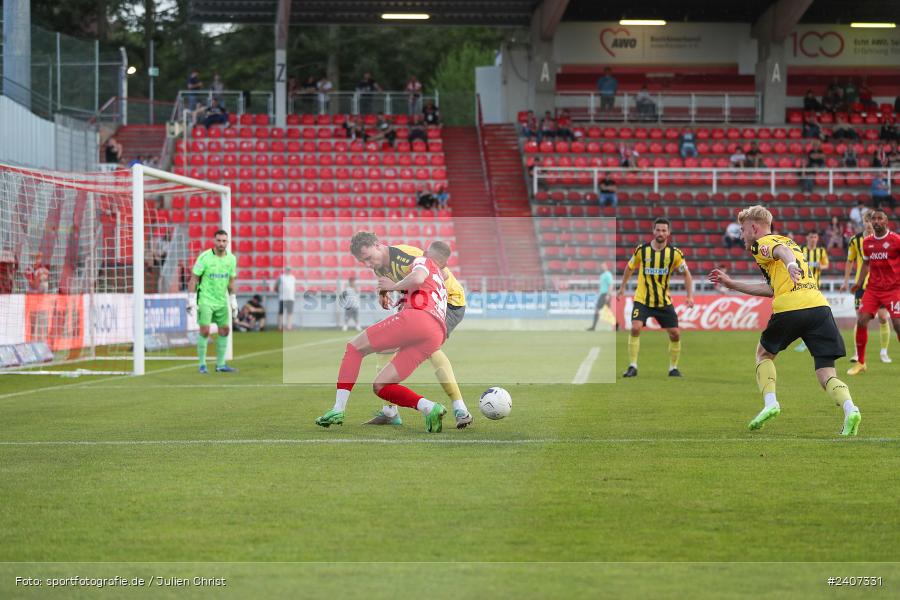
column 495, row 403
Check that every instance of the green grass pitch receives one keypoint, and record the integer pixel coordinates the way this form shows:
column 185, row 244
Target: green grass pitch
column 642, row 488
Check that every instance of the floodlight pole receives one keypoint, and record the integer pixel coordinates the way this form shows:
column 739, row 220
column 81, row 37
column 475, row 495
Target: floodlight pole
column 282, row 21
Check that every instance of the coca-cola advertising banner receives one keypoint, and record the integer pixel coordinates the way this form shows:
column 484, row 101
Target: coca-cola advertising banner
column 715, row 312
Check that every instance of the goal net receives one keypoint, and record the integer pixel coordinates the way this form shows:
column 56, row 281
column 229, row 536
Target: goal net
column 94, row 267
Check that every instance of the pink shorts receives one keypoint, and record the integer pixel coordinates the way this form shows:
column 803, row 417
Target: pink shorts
column 416, row 333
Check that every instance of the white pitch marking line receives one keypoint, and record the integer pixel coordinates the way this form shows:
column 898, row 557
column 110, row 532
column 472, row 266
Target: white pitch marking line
column 584, row 370
column 166, row 370
column 388, row 441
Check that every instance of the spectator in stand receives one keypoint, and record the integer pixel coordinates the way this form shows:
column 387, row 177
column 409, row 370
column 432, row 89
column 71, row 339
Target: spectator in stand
column 815, row 157
column 843, row 131
column 563, row 126
column 850, row 160
column 811, row 103
column 425, row 198
column 252, row 316
column 893, row 157
column 356, row 129
column 897, row 105
column 367, row 87
column 324, row 87
column 112, row 151
column 309, row 93
column 880, row 158
column 627, row 155
column 834, row 235
column 646, row 107
column 198, row 115
column 417, row 130
column 754, row 156
column 738, row 159
column 733, row 237
column 443, row 197
column 851, row 93
column 548, row 127
column 431, row 114
column 215, row 114
column 888, row 131
column 811, row 127
column 413, row 95
column 286, row 287
column 193, row 83
column 687, row 144
column 530, row 126
column 858, row 215
column 293, row 88
column 833, row 96
column 881, row 194
column 608, row 191
column 218, row 88
column 806, row 178
column 385, row 130
column 866, row 98
column 849, row 232
column 607, row 86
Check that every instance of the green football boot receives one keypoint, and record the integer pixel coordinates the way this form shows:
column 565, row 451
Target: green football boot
column 434, row 420
column 851, row 423
column 332, row 417
column 382, row 419
column 770, row 412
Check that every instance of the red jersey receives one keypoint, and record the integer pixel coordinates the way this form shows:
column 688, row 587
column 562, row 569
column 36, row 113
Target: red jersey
column 883, row 256
column 431, row 295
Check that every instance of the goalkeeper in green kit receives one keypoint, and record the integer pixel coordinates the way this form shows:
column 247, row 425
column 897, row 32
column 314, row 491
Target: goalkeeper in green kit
column 211, row 297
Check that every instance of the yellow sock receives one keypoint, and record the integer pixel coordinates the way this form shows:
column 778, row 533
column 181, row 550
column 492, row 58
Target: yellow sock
column 634, row 347
column 444, row 373
column 885, row 334
column 838, row 391
column 674, row 353
column 765, row 376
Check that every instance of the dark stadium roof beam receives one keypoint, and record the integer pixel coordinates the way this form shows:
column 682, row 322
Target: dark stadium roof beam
column 780, row 19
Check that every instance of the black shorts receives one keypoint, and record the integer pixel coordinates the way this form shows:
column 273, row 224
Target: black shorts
column 454, row 317
column 664, row 315
column 815, row 326
column 285, row 306
column 602, row 300
column 857, row 298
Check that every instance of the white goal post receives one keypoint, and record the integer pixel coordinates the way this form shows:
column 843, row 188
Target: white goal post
column 94, row 267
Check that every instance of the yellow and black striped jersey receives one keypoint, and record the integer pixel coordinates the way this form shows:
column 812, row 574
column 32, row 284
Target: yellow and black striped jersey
column 400, row 265
column 855, row 253
column 817, row 259
column 787, row 294
column 654, row 267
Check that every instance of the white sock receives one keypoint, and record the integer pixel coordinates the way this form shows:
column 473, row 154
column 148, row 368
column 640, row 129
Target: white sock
column 884, row 351
column 340, row 400
column 633, row 365
column 424, row 405
column 460, row 405
column 770, row 400
column 390, row 410
column 849, row 407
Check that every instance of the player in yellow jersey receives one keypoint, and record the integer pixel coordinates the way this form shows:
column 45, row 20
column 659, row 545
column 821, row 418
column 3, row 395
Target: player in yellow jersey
column 817, row 259
column 855, row 257
column 395, row 263
column 655, row 262
column 799, row 310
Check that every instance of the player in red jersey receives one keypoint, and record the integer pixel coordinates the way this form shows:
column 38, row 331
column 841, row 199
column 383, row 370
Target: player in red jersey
column 881, row 262
column 418, row 330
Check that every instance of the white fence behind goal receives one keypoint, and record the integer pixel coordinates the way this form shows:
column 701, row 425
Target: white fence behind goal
column 91, row 269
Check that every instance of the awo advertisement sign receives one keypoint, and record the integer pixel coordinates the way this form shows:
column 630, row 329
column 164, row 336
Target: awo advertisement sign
column 842, row 45
column 716, row 312
column 604, row 43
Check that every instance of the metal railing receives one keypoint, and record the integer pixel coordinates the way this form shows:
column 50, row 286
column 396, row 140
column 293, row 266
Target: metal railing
column 775, row 179
column 356, row 103
column 689, row 107
column 133, row 111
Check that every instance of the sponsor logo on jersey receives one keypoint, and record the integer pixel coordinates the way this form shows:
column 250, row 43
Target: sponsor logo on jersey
column 878, row 256
column 764, row 250
column 651, row 271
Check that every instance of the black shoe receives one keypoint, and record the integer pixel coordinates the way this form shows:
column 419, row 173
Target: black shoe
column 630, row 372
column 675, row 373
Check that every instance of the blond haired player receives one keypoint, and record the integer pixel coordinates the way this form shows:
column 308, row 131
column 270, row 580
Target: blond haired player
column 799, row 310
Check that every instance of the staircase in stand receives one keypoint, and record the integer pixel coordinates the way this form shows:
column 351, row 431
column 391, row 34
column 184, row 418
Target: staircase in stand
column 141, row 140
column 473, row 212
column 508, row 179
